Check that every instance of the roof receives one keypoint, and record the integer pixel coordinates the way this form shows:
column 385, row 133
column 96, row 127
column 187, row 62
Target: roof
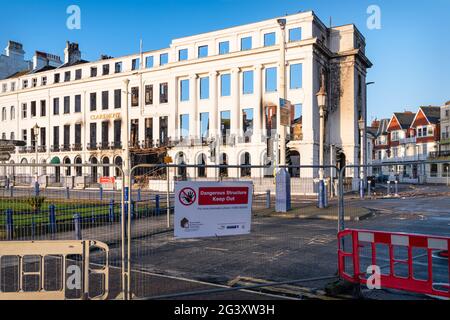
column 405, row 119
column 18, row 74
column 433, row 114
column 372, row 130
column 66, row 65
column 382, row 128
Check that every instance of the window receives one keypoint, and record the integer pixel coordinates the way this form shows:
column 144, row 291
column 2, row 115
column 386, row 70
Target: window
column 247, row 82
column 225, row 122
column 163, row 59
column 13, row 86
column 78, row 135
column 149, row 62
column 117, row 99
column 13, row 136
column 135, row 96
column 55, row 106
column 56, row 137
column 204, row 125
column 204, row 88
column 136, row 64
column 224, row 47
column 93, row 101
column 4, row 114
column 105, row 70
column 78, row 74
column 12, row 113
column 295, row 34
column 247, row 123
column 33, row 109
column 66, row 105
column 184, row 126
column 117, row 133
column 44, row 81
column 271, row 79
column 25, row 84
column 269, row 39
column 163, row 93
column 66, row 136
column 182, row 54
column 66, row 76
column 56, row 78
column 246, row 43
column 118, row 67
column 78, row 103
column 297, row 112
column 105, row 134
column 296, row 72
column 202, row 51
column 43, row 108
column 4, row 87
column 184, row 90
column 149, row 94
column 105, row 100
column 433, row 170
column 225, row 85
column 93, row 72
column 163, row 130
column 24, row 111
column 93, row 135
column 445, row 170
column 25, row 136
column 34, row 82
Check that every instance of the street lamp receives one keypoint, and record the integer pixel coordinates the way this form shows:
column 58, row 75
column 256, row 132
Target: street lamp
column 36, row 129
column 321, row 101
column 361, row 125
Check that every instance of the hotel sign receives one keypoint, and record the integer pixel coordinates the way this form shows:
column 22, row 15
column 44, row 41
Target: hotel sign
column 106, row 116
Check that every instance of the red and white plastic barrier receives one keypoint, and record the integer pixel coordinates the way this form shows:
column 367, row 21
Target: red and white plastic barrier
column 361, row 248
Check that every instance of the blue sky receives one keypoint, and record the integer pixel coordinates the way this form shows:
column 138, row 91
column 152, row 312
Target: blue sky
column 410, row 52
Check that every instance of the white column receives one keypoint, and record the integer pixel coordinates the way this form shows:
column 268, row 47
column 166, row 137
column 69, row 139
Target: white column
column 235, row 91
column 126, row 132
column 258, row 109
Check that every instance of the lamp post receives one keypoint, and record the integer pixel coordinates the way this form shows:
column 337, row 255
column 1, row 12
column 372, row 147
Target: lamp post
column 321, row 101
column 281, row 129
column 36, row 129
column 361, row 125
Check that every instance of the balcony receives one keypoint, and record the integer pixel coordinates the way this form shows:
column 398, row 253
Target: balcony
column 65, row 147
column 440, row 154
column 42, row 149
column 55, row 148
column 410, row 140
column 77, row 147
column 116, row 145
column 22, row 149
column 92, row 146
column 104, row 145
column 31, row 149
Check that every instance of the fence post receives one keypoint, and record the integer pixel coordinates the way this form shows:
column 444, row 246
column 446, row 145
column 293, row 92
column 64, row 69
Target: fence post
column 157, row 209
column 77, row 223
column 111, row 210
column 321, row 195
column 52, row 218
column 36, row 189
column 11, row 191
column 9, row 224
column 268, row 199
column 101, row 192
column 139, row 194
column 369, row 188
column 361, row 188
column 325, row 195
column 389, row 188
column 68, row 193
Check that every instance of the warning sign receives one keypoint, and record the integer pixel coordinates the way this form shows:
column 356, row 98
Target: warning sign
column 208, row 209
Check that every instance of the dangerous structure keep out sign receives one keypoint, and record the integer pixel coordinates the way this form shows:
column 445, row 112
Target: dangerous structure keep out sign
column 208, row 209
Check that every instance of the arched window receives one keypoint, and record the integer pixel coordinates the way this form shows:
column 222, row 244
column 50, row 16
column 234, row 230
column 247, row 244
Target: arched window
column 246, row 161
column 223, row 162
column 94, row 169
column 13, row 113
column 201, row 169
column 118, row 162
column 4, row 114
column 56, row 161
column 106, row 167
column 68, row 169
column 294, row 169
column 181, row 161
column 78, row 170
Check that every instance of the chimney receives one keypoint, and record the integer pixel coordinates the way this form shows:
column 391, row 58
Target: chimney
column 72, row 53
column 43, row 59
column 15, row 49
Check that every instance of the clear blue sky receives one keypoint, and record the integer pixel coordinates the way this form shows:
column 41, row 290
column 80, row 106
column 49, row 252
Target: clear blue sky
column 410, row 53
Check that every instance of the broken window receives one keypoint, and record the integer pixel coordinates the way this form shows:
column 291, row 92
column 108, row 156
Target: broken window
column 134, row 138
column 148, row 132
column 163, row 92
column 135, row 96
column 163, row 130
column 105, row 69
column 149, row 94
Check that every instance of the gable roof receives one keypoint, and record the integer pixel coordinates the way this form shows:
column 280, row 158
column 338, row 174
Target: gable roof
column 405, row 119
column 433, row 114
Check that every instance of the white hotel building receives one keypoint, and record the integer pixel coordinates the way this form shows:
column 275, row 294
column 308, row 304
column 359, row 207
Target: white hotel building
column 223, row 83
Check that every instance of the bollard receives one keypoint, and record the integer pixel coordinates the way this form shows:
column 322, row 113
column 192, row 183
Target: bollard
column 139, row 195
column 369, row 188
column 389, row 188
column 77, row 223
column 361, row 188
column 111, row 210
column 325, row 195
column 9, row 224
column 101, row 193
column 11, row 191
column 268, row 199
column 68, row 193
column 157, row 209
column 36, row 189
column 396, row 188
column 52, row 218
column 321, row 195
